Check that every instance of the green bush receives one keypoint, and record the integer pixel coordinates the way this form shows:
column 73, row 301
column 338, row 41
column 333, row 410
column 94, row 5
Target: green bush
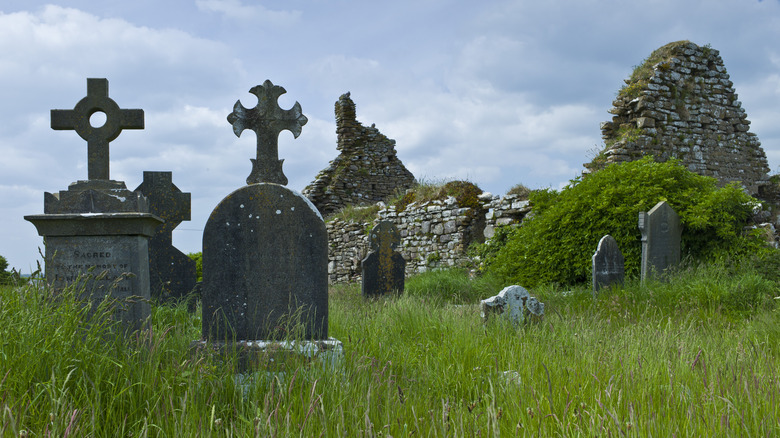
column 198, row 257
column 556, row 245
column 5, row 276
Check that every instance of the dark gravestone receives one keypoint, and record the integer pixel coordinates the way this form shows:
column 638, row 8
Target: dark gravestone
column 383, row 268
column 661, row 235
column 265, row 247
column 608, row 264
column 96, row 233
column 171, row 272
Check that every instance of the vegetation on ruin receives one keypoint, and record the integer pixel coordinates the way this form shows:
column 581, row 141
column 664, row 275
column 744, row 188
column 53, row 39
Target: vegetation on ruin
column 549, row 247
column 644, row 71
column 464, row 192
column 520, row 190
column 356, row 213
column 694, row 356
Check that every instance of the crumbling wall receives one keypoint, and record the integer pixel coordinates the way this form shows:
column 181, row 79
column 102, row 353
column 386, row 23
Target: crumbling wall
column 681, row 104
column 366, row 171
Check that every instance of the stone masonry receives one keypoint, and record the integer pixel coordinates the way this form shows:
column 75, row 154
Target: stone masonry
column 681, row 104
column 433, row 234
column 366, row 171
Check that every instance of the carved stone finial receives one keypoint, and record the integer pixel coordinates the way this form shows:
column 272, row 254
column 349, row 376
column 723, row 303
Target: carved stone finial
column 267, row 119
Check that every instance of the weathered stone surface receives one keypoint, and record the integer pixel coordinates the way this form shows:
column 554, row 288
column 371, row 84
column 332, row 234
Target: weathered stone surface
column 366, row 171
column 515, row 303
column 94, row 196
column 383, row 268
column 265, row 254
column 686, row 109
column 172, row 274
column 103, row 255
column 661, row 234
column 608, row 264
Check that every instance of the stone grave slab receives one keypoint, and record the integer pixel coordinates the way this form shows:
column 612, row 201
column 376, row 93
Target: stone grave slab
column 384, row 269
column 513, row 302
column 172, row 274
column 661, row 235
column 608, row 264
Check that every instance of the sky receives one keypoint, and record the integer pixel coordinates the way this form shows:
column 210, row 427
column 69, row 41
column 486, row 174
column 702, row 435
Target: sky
column 497, row 92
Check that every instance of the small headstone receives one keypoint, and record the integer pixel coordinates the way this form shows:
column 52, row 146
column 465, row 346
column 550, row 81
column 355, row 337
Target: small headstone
column 96, row 233
column 383, row 268
column 608, row 264
column 515, row 303
column 265, row 247
column 661, row 234
column 171, row 272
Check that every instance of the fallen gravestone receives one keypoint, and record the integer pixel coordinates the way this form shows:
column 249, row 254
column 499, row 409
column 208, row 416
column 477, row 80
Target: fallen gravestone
column 383, row 268
column 265, row 249
column 172, row 273
column 661, row 233
column 608, row 264
column 96, row 233
column 515, row 303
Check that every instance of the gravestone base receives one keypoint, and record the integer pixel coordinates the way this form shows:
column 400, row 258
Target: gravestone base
column 104, row 255
column 275, row 356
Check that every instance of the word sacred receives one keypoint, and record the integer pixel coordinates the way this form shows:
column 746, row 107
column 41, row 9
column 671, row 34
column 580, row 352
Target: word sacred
column 91, row 255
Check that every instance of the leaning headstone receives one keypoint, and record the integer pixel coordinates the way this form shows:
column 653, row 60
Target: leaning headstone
column 96, row 233
column 383, row 268
column 661, row 234
column 171, row 272
column 515, row 303
column 608, row 264
column 265, row 248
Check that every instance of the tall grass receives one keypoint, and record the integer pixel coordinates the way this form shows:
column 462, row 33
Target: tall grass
column 657, row 359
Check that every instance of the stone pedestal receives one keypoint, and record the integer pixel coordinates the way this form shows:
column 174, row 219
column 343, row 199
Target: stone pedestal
column 102, row 255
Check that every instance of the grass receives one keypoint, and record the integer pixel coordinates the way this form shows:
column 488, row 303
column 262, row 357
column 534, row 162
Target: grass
column 657, row 359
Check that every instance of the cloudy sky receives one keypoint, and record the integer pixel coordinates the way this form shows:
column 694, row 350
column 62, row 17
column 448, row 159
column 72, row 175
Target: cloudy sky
column 498, row 92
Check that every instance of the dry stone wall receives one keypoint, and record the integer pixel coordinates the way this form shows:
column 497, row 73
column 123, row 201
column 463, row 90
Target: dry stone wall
column 366, row 171
column 681, row 104
column 434, row 234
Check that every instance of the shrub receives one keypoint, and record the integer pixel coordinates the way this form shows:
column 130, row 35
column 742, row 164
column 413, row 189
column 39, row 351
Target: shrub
column 198, row 257
column 556, row 244
column 5, row 276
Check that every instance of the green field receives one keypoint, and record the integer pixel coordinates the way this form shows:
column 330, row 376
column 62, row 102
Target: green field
column 696, row 356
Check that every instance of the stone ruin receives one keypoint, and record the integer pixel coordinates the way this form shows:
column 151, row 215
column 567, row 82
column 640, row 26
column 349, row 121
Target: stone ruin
column 366, row 171
column 681, row 104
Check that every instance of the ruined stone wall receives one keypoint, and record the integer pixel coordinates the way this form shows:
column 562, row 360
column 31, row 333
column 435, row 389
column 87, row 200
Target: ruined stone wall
column 681, row 104
column 434, row 234
column 366, row 171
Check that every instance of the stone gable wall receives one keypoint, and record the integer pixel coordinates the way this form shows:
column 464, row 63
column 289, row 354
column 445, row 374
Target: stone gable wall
column 433, row 234
column 687, row 109
column 366, row 171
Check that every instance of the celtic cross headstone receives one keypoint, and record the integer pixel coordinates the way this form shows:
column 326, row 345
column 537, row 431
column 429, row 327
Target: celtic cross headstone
column 97, row 138
column 171, row 272
column 97, row 232
column 383, row 268
column 267, row 119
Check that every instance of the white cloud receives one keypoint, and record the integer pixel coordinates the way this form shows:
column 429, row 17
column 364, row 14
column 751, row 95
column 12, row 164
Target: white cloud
column 235, row 10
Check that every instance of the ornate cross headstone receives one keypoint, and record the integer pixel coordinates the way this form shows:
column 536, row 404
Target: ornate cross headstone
column 97, row 138
column 267, row 119
column 608, row 264
column 172, row 274
column 661, row 235
column 383, row 268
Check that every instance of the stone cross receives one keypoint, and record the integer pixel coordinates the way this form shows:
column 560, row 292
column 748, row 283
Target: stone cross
column 661, row 235
column 608, row 264
column 383, row 268
column 97, row 138
column 172, row 274
column 267, row 119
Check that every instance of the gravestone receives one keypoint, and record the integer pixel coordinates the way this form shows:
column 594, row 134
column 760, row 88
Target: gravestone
column 661, row 234
column 96, row 233
column 172, row 274
column 515, row 303
column 265, row 247
column 383, row 268
column 608, row 264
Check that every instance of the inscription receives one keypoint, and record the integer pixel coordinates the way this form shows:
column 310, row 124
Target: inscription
column 104, row 269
